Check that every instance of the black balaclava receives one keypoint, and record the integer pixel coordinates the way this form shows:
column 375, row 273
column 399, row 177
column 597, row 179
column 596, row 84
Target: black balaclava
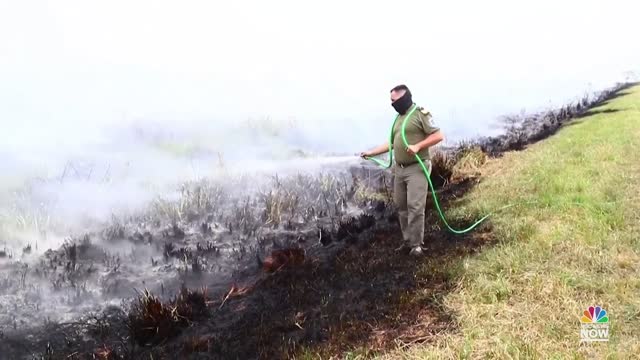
column 403, row 103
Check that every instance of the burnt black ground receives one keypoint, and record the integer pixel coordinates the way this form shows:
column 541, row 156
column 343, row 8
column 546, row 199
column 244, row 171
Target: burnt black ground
column 352, row 290
column 355, row 287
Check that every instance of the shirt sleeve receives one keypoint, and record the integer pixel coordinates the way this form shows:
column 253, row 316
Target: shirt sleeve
column 425, row 121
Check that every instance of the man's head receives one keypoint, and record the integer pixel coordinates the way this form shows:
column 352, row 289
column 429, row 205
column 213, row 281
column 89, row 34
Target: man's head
column 401, row 99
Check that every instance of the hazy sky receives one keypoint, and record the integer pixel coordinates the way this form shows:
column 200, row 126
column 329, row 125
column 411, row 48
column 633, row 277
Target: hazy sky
column 67, row 66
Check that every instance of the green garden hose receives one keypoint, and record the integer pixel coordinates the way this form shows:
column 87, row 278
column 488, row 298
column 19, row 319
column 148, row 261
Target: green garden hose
column 426, row 174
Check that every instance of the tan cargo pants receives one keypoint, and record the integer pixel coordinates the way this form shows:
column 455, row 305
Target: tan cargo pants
column 410, row 190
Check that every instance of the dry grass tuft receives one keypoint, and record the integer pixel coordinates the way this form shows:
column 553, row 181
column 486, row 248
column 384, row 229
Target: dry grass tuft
column 468, row 163
column 442, row 164
column 191, row 304
column 151, row 321
column 278, row 203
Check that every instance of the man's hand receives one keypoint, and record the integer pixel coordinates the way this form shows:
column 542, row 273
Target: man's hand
column 413, row 149
column 380, row 149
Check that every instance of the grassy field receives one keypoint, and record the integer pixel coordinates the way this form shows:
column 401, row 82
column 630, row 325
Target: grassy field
column 576, row 244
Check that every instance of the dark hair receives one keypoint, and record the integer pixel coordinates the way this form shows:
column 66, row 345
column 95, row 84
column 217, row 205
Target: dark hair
column 401, row 87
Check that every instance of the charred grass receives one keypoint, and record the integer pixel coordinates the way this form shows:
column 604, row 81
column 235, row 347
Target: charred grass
column 152, row 322
column 309, row 278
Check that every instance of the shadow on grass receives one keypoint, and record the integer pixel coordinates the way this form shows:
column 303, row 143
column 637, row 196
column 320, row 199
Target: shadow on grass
column 596, row 112
column 622, row 91
column 584, row 117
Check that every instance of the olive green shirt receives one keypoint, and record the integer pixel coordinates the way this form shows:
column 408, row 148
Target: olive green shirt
column 418, row 127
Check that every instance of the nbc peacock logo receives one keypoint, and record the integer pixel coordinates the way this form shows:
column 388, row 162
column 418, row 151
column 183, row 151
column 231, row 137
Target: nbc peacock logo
column 595, row 315
column 595, row 325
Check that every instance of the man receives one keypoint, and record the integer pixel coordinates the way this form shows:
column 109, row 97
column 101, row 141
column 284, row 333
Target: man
column 410, row 186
